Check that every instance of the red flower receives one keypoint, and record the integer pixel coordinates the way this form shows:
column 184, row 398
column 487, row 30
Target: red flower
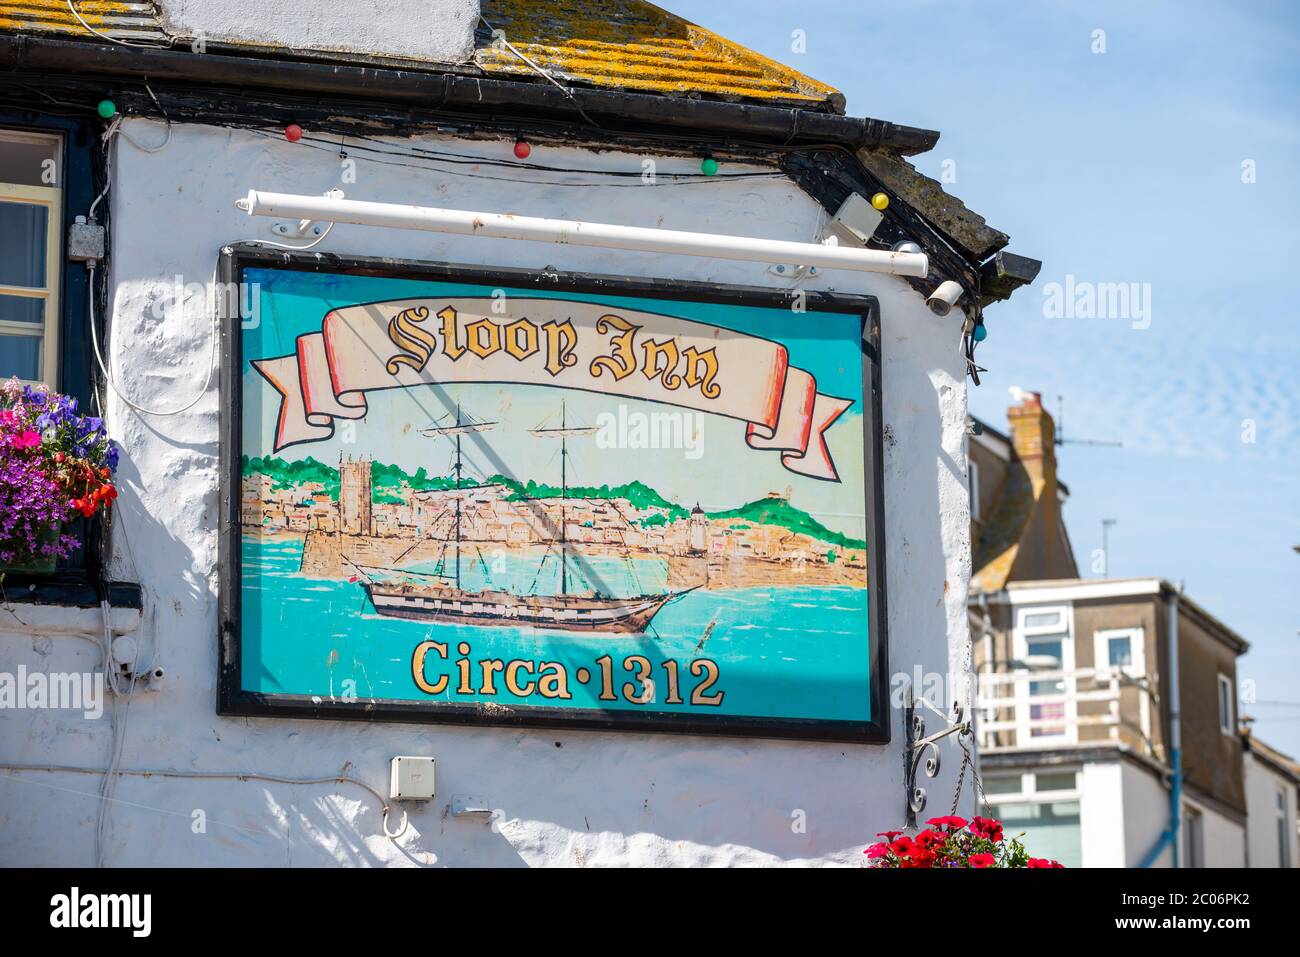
column 920, row 857
column 980, row 860
column 928, row 839
column 877, row 850
column 951, row 822
column 1042, row 862
column 987, row 827
column 889, row 835
column 902, row 847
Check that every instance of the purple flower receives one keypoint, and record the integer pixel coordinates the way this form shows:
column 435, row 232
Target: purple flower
column 31, row 504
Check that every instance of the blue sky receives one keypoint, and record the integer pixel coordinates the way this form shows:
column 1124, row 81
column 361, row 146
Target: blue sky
column 1122, row 166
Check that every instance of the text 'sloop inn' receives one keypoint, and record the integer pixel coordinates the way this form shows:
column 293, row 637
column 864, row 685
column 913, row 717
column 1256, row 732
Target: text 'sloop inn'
column 583, row 346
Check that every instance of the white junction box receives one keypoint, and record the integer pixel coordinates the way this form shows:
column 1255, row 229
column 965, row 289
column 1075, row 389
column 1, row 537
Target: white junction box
column 411, row 778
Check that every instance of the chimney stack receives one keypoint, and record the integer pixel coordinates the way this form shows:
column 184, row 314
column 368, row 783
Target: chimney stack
column 1033, row 436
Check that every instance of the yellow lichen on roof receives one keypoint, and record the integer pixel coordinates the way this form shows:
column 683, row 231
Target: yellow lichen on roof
column 636, row 46
column 611, row 44
column 136, row 22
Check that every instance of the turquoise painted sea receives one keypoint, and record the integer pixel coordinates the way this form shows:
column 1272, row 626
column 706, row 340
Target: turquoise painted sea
column 780, row 652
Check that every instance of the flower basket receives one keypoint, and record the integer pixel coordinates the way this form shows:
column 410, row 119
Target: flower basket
column 55, row 463
column 43, row 559
column 953, row 841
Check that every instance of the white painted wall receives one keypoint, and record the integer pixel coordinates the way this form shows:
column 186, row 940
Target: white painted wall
column 1263, row 785
column 1102, row 831
column 1225, row 839
column 441, row 31
column 566, row 798
column 1146, row 815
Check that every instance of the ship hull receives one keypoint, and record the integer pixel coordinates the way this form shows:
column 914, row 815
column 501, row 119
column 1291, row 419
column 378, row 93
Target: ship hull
column 503, row 610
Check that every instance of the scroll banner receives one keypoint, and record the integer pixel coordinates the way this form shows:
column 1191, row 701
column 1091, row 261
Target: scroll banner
column 556, row 342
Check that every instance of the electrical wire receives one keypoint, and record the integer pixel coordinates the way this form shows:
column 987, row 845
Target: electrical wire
column 667, row 179
column 315, row 242
column 117, row 743
column 227, row 776
column 108, row 378
column 465, row 159
column 171, row 41
column 501, row 35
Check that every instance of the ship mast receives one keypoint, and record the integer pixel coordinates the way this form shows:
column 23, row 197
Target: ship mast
column 564, row 492
column 458, row 469
column 563, row 433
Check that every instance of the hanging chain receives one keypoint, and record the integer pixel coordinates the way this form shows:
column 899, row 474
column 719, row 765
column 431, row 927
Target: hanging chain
column 968, row 761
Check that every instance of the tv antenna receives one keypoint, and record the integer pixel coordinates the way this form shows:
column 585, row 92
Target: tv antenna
column 1106, row 524
column 1060, row 430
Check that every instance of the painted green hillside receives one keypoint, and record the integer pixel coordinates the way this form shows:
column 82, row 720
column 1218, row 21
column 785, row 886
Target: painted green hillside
column 776, row 511
column 387, row 480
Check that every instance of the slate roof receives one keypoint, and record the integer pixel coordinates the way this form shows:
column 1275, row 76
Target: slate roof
column 636, row 46
column 625, row 45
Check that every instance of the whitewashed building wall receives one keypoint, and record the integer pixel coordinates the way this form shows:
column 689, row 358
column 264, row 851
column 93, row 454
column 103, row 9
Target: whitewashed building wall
column 564, row 798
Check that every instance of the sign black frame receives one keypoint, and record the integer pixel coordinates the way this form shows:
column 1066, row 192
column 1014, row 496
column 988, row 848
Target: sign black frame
column 234, row 700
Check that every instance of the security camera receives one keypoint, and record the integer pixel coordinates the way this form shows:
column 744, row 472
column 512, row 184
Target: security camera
column 945, row 297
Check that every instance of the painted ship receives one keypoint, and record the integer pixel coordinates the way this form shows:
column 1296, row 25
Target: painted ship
column 439, row 597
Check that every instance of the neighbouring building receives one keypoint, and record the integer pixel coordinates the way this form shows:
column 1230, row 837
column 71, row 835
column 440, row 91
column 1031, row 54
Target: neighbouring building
column 1272, row 787
column 156, row 117
column 1088, row 684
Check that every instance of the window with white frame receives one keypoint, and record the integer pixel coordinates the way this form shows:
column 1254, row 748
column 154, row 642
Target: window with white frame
column 1043, row 643
column 1123, row 650
column 1044, row 804
column 1120, row 649
column 31, row 224
column 1227, row 706
column 1193, row 837
column 1283, row 831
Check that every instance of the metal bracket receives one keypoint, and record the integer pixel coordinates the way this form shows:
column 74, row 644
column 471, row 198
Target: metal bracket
column 788, row 271
column 920, row 746
column 303, row 229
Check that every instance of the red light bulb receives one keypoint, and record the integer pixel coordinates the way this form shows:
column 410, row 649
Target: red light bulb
column 522, row 149
column 293, row 132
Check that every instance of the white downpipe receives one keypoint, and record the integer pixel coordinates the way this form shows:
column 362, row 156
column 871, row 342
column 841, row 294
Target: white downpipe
column 640, row 238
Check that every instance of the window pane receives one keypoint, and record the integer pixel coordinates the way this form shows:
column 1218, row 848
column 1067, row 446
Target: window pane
column 28, row 161
column 1120, row 652
column 22, row 244
column 22, row 309
column 1042, row 619
column 1046, row 654
column 1055, row 781
column 1002, row 784
column 20, row 356
column 1051, row 830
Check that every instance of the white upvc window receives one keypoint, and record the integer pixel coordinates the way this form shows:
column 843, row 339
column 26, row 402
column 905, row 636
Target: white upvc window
column 1044, row 804
column 31, row 228
column 1043, row 642
column 1227, row 706
column 1124, row 650
column 1284, row 830
column 1193, row 837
